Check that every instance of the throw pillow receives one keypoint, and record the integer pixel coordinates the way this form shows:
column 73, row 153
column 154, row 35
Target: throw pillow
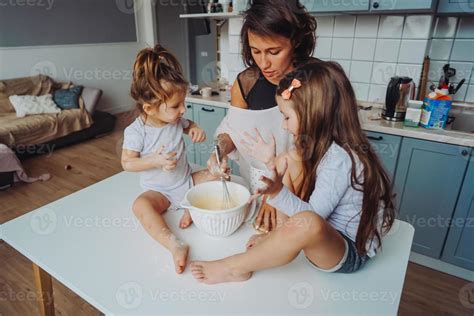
column 29, row 104
column 68, row 98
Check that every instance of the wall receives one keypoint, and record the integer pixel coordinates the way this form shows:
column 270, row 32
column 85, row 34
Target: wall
column 374, row 48
column 104, row 66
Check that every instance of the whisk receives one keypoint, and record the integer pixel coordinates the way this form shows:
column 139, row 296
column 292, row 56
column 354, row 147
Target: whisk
column 227, row 201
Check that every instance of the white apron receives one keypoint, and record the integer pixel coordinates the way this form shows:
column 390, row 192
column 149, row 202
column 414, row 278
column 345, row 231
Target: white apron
column 268, row 122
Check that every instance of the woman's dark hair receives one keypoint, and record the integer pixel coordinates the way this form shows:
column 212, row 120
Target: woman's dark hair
column 289, row 19
column 326, row 107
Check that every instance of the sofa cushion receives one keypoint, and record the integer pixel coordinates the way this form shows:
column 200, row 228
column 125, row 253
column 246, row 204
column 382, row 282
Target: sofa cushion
column 29, row 104
column 68, row 98
column 91, row 98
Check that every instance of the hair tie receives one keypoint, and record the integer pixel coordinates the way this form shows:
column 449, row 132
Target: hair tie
column 295, row 84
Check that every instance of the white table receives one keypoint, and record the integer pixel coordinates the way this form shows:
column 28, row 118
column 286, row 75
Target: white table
column 92, row 243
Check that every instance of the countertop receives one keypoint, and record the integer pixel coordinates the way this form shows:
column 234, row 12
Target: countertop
column 381, row 126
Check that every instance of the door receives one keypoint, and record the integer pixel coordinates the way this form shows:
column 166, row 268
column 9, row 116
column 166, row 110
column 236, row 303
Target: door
column 459, row 248
column 428, row 179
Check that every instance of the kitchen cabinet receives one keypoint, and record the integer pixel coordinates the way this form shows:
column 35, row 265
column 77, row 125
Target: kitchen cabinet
column 458, row 249
column 190, row 147
column 208, row 118
column 387, row 148
column 390, row 5
column 428, row 179
column 317, row 6
column 456, row 6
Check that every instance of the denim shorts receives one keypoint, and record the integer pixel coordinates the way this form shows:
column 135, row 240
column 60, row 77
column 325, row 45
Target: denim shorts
column 351, row 260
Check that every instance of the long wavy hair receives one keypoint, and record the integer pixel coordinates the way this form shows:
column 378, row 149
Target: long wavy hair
column 288, row 19
column 326, row 107
column 157, row 76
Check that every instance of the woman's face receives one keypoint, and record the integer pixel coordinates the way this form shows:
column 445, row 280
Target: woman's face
column 274, row 56
column 290, row 118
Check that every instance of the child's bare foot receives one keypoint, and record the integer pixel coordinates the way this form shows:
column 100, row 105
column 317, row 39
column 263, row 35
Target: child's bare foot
column 186, row 220
column 255, row 239
column 180, row 256
column 212, row 272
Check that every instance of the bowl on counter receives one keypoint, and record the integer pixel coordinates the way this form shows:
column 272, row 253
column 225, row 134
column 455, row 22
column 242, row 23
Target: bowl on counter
column 204, row 202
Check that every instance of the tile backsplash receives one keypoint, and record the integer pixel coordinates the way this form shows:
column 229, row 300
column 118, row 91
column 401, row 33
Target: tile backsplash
column 372, row 49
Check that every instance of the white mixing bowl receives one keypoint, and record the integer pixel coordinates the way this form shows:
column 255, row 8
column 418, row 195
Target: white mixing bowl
column 216, row 222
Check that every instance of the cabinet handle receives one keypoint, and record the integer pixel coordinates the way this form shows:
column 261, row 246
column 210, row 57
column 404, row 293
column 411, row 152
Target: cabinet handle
column 189, row 106
column 207, row 110
column 376, row 5
column 375, row 138
column 465, row 153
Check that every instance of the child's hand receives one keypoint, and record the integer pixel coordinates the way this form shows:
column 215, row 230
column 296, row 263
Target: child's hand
column 266, row 219
column 197, row 134
column 257, row 148
column 273, row 186
column 167, row 162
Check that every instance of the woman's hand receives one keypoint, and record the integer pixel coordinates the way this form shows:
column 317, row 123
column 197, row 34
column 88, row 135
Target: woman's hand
column 266, row 219
column 214, row 169
column 257, row 148
column 273, row 187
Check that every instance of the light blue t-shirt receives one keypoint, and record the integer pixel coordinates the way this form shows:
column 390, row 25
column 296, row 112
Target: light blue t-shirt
column 333, row 198
column 148, row 140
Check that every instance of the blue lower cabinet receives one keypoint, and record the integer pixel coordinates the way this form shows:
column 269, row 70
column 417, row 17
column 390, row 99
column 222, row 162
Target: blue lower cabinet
column 428, row 179
column 190, row 149
column 456, row 6
column 208, row 118
column 459, row 248
column 387, row 148
column 406, row 5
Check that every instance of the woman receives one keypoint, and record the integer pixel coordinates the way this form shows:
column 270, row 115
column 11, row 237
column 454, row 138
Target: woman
column 277, row 36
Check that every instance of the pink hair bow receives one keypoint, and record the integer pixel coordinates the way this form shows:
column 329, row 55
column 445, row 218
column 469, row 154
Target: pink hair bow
column 295, row 84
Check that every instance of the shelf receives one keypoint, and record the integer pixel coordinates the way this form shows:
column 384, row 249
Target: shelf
column 217, row 16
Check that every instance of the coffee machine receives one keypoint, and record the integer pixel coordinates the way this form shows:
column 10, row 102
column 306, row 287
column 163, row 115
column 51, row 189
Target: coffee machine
column 399, row 91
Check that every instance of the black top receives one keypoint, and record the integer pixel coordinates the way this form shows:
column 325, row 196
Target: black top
column 257, row 91
column 261, row 95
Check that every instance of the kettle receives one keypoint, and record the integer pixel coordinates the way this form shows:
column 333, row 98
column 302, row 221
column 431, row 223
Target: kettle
column 399, row 91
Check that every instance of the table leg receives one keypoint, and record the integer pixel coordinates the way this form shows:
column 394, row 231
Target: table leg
column 44, row 291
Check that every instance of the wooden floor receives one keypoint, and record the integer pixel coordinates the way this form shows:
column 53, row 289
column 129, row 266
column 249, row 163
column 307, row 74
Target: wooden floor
column 425, row 292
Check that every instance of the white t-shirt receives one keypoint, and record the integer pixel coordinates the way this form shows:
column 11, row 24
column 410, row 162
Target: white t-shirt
column 333, row 198
column 148, row 140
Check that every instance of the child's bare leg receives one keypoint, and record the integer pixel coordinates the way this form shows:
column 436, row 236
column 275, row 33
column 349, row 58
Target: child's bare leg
column 198, row 177
column 148, row 208
column 306, row 231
